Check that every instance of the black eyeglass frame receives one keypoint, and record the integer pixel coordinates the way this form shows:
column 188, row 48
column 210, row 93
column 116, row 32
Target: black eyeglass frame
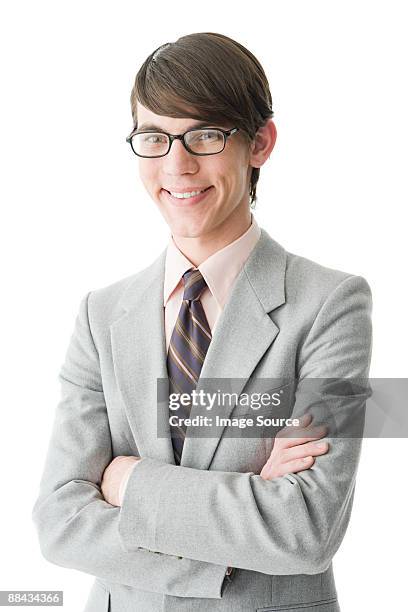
column 172, row 137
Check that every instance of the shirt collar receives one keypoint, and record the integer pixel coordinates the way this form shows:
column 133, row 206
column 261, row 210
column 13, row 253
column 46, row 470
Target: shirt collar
column 219, row 270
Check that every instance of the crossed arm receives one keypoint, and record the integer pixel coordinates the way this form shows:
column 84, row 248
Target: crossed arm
column 287, row 525
column 289, row 455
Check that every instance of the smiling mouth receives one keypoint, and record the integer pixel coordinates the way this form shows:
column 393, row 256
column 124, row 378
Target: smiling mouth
column 193, row 193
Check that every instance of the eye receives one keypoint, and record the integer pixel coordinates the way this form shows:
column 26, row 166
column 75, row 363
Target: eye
column 207, row 136
column 154, row 138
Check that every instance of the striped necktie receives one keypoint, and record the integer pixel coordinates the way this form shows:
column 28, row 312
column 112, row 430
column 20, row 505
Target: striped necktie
column 188, row 346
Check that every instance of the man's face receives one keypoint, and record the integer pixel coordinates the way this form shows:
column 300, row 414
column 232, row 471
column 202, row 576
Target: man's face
column 225, row 176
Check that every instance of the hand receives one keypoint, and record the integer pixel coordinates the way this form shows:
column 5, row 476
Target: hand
column 112, row 477
column 290, row 455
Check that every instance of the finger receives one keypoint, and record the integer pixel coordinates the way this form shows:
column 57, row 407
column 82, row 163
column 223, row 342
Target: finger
column 298, row 465
column 300, row 429
column 302, row 436
column 304, row 450
column 304, row 421
column 292, row 467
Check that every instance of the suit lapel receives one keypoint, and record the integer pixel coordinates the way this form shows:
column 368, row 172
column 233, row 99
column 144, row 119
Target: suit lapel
column 139, row 357
column 244, row 332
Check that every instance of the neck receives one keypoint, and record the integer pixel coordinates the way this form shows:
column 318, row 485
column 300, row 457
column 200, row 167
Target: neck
column 198, row 248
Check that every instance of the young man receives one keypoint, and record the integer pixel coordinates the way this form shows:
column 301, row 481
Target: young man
column 175, row 521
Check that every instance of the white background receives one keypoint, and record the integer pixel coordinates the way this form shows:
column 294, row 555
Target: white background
column 74, row 218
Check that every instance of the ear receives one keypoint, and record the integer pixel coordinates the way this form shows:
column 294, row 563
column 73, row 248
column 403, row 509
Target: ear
column 262, row 144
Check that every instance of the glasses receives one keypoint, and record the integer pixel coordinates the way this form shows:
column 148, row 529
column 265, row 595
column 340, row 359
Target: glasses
column 198, row 141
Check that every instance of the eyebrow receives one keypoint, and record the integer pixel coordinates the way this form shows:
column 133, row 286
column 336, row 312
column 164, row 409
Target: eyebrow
column 151, row 126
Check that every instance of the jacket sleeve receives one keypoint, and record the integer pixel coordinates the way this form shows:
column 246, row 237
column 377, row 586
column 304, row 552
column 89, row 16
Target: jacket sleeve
column 289, row 525
column 76, row 527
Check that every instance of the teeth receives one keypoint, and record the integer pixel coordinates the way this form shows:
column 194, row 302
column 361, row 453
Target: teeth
column 188, row 194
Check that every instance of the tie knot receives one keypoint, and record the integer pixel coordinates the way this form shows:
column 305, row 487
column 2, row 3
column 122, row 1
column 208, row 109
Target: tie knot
column 194, row 285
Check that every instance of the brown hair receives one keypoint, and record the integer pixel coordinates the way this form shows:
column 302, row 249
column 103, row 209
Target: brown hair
column 209, row 77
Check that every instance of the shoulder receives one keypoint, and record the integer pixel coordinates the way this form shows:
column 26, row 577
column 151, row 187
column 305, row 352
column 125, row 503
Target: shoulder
column 308, row 280
column 107, row 303
column 303, row 285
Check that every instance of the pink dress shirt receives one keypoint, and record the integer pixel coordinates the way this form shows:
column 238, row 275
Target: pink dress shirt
column 220, row 271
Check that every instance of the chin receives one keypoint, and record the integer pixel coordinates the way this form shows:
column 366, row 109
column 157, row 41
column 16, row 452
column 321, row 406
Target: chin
column 188, row 230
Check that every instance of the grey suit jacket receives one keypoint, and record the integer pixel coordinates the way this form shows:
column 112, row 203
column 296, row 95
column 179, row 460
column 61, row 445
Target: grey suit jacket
column 179, row 528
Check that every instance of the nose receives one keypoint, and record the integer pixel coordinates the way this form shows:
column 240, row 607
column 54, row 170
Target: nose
column 179, row 161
